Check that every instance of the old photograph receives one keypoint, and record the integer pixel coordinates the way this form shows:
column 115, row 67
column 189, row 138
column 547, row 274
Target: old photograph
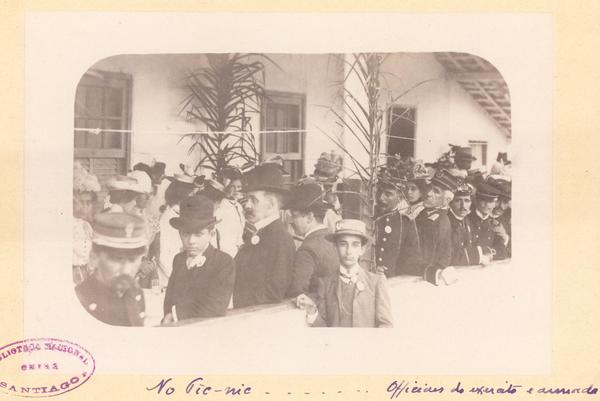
column 328, row 190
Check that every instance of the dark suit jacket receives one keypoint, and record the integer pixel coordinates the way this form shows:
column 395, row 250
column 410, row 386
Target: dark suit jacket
column 464, row 249
column 200, row 291
column 107, row 306
column 371, row 306
column 315, row 258
column 484, row 236
column 434, row 241
column 398, row 247
column 264, row 270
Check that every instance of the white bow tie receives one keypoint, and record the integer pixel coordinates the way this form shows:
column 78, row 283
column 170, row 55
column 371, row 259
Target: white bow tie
column 193, row 261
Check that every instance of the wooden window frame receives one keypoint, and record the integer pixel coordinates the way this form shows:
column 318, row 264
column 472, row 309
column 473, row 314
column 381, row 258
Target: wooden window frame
column 390, row 112
column 293, row 98
column 100, row 78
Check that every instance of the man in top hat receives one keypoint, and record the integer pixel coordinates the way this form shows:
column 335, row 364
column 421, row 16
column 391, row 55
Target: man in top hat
column 202, row 279
column 353, row 297
column 395, row 233
column 315, row 258
column 434, row 233
column 111, row 293
column 464, row 249
column 264, row 262
column 487, row 231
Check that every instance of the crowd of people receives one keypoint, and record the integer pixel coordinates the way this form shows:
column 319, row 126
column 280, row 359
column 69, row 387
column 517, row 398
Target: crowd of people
column 241, row 239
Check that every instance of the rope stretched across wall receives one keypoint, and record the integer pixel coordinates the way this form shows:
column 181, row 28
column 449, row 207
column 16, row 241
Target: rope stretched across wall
column 98, row 131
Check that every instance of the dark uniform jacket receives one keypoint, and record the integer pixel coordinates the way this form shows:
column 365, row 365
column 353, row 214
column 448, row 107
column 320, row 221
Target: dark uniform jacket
column 106, row 305
column 484, row 236
column 395, row 242
column 264, row 269
column 464, row 249
column 434, row 243
column 370, row 305
column 201, row 291
column 315, row 258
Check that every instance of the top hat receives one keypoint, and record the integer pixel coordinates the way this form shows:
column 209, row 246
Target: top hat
column 119, row 230
column 266, row 177
column 305, row 196
column 124, row 183
column 463, row 153
column 486, row 192
column 443, row 179
column 349, row 227
column 195, row 213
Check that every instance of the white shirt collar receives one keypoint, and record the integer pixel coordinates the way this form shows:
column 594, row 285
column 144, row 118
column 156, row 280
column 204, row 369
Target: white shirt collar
column 456, row 216
column 481, row 215
column 259, row 225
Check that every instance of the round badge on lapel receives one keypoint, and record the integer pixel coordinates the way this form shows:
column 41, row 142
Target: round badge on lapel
column 387, row 229
column 255, row 239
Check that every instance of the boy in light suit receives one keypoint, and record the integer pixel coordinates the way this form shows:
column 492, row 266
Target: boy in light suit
column 354, row 297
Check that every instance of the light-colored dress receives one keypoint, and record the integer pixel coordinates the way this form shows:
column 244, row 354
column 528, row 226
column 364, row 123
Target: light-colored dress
column 170, row 244
column 230, row 227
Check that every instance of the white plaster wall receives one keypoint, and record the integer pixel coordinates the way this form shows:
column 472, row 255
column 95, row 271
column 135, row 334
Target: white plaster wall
column 445, row 112
column 158, row 90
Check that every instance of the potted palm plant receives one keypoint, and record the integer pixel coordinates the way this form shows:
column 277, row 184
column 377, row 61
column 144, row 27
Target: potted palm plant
column 223, row 96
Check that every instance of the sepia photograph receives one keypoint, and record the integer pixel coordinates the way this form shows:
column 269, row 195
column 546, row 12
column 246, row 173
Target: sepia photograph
column 217, row 188
column 232, row 201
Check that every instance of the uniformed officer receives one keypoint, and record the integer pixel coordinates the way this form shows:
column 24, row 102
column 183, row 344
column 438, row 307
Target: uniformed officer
column 464, row 250
column 111, row 294
column 395, row 233
column 433, row 227
column 487, row 230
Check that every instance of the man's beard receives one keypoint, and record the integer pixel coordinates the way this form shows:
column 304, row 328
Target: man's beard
column 122, row 283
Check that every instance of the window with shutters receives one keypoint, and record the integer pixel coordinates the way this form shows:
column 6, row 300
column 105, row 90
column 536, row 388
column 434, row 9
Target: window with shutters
column 102, row 105
column 284, row 112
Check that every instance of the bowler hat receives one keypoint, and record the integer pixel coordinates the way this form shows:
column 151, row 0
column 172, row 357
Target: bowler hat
column 119, row 230
column 196, row 213
column 305, row 196
column 266, row 177
column 349, row 227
